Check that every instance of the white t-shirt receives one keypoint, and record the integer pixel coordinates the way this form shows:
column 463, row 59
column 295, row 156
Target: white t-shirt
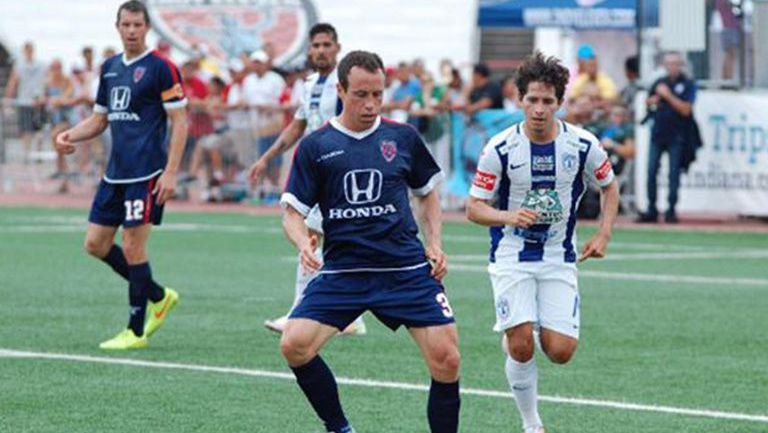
column 237, row 119
column 264, row 90
column 548, row 178
column 319, row 100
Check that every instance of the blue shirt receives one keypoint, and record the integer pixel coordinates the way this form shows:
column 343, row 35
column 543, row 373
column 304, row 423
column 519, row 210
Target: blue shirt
column 668, row 123
column 134, row 95
column 361, row 181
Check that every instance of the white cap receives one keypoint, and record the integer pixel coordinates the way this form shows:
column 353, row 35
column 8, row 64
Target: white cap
column 259, row 56
column 236, row 65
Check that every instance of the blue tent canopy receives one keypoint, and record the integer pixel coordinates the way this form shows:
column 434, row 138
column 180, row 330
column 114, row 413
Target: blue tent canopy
column 579, row 14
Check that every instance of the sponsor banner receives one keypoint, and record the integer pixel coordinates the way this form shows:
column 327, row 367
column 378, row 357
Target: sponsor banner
column 730, row 174
column 230, row 27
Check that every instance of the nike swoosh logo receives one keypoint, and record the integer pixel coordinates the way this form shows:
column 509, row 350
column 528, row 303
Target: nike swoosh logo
column 161, row 313
column 514, row 167
column 520, row 388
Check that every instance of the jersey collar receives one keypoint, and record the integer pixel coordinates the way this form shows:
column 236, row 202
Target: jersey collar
column 354, row 134
column 135, row 59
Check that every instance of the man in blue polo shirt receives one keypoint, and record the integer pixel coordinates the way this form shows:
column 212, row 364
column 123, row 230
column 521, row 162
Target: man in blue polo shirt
column 671, row 104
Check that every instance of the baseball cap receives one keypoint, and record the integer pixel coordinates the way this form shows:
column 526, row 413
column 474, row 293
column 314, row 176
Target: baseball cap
column 236, row 65
column 586, row 52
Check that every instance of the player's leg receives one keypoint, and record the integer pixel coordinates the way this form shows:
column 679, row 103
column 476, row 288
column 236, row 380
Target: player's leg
column 515, row 300
column 559, row 312
column 418, row 301
column 439, row 346
column 324, row 310
column 108, row 211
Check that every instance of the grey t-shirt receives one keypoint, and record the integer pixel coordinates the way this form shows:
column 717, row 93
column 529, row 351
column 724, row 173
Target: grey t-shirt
column 31, row 81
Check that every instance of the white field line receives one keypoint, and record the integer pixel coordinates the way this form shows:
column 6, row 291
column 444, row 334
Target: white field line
column 624, row 276
column 721, row 255
column 735, row 416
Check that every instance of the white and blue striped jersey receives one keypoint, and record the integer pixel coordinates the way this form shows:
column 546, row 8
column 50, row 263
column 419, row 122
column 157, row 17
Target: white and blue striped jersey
column 550, row 179
column 319, row 100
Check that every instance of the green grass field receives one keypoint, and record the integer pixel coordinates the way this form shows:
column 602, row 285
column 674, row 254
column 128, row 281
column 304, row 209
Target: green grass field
column 670, row 319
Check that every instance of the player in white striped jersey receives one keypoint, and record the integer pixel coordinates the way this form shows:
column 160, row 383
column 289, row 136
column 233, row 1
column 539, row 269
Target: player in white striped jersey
column 319, row 103
column 527, row 188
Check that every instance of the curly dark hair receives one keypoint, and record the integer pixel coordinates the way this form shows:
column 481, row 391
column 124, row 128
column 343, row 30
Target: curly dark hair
column 547, row 70
column 371, row 62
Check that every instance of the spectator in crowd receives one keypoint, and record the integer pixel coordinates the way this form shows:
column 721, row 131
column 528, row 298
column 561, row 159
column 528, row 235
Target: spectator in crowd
column 730, row 38
column 581, row 112
column 426, row 107
column 82, row 100
column 406, row 89
column 590, row 76
column 164, row 47
column 262, row 91
column 510, row 94
column 27, row 85
column 290, row 98
column 456, row 95
column 238, row 118
column 210, row 146
column 627, row 94
column 617, row 137
column 199, row 120
column 59, row 98
column 485, row 93
column 670, row 104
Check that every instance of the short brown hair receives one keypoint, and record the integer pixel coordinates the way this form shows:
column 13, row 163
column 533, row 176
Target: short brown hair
column 547, row 70
column 134, row 6
column 371, row 62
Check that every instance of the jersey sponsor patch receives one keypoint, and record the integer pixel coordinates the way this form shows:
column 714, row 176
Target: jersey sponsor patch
column 174, row 92
column 483, row 180
column 604, row 170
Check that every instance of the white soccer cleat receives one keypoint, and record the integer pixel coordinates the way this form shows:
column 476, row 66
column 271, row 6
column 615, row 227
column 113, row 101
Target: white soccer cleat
column 356, row 328
column 276, row 325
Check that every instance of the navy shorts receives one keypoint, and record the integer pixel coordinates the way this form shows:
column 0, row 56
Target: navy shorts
column 413, row 299
column 126, row 204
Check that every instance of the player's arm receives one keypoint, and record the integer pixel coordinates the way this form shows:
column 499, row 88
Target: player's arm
column 297, row 232
column 89, row 128
column 599, row 171
column 166, row 184
column 285, row 141
column 485, row 189
column 683, row 107
column 431, row 217
column 480, row 211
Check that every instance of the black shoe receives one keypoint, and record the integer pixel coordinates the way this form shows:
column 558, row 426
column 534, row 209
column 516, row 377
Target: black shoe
column 647, row 218
column 670, row 218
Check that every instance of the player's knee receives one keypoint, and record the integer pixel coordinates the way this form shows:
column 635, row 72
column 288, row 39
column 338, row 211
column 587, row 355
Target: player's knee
column 96, row 248
column 295, row 351
column 520, row 349
column 561, row 354
column 134, row 252
column 445, row 363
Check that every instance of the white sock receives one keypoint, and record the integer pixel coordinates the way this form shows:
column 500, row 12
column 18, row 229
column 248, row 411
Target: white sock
column 302, row 279
column 523, row 378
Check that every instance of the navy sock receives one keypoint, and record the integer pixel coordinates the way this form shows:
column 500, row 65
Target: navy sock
column 116, row 260
column 319, row 385
column 140, row 277
column 443, row 407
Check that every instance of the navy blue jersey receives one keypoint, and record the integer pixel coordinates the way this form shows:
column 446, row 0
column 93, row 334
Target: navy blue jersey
column 361, row 183
column 134, row 95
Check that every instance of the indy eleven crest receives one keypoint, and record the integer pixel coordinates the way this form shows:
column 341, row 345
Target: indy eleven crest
column 231, row 27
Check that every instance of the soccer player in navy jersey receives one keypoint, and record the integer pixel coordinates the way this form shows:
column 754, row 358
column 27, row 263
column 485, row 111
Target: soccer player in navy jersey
column 139, row 90
column 359, row 169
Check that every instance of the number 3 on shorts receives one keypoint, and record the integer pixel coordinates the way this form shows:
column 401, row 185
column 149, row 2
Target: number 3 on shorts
column 443, row 301
column 134, row 210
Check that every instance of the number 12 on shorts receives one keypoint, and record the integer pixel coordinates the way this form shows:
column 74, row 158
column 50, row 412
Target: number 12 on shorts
column 134, row 210
column 443, row 301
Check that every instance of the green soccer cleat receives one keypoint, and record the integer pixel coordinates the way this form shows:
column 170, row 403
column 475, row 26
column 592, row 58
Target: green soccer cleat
column 158, row 311
column 125, row 340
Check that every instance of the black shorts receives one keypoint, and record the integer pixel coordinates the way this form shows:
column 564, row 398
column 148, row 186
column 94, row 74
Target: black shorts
column 126, row 204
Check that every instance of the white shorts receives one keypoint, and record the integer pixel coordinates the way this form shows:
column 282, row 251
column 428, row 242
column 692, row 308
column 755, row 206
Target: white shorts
column 314, row 219
column 546, row 294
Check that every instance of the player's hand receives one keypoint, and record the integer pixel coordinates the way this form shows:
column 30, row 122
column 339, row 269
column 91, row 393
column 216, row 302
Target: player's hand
column 63, row 145
column 165, row 187
column 596, row 247
column 438, row 261
column 523, row 218
column 257, row 170
column 309, row 261
column 663, row 90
